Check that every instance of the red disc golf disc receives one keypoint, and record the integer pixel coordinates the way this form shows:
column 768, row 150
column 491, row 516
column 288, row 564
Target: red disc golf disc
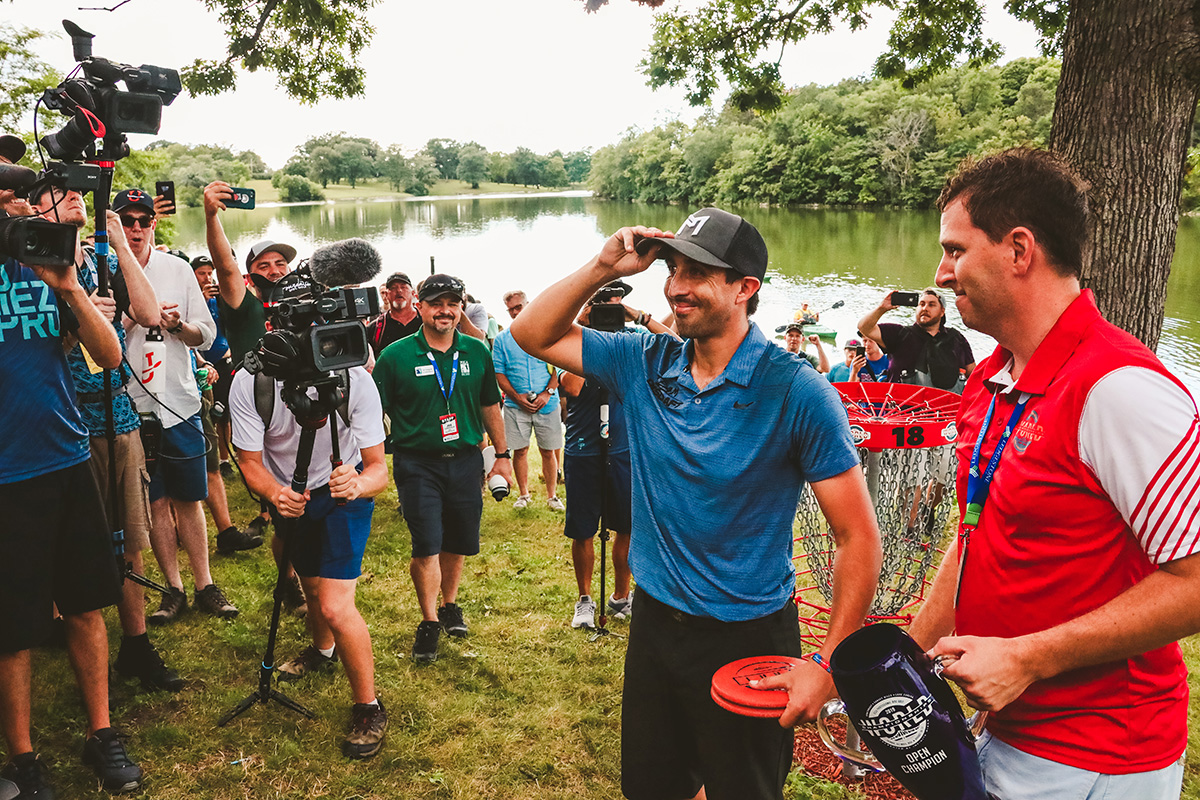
column 731, row 683
column 746, row 711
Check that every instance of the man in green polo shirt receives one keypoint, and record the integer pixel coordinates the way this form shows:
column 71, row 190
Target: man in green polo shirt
column 439, row 389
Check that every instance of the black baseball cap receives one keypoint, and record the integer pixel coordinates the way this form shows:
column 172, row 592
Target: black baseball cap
column 12, row 147
column 201, row 261
column 435, row 286
column 794, row 326
column 397, row 277
column 608, row 291
column 132, row 197
column 719, row 239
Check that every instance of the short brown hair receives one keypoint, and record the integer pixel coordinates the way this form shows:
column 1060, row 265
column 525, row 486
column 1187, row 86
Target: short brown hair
column 1029, row 188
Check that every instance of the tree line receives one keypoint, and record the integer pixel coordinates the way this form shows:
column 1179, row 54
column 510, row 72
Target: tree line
column 860, row 142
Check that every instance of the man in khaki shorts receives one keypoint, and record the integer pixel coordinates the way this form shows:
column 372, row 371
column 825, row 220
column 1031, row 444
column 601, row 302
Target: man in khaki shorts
column 530, row 388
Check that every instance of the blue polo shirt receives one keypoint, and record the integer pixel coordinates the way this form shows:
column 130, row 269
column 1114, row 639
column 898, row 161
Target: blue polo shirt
column 717, row 473
column 525, row 373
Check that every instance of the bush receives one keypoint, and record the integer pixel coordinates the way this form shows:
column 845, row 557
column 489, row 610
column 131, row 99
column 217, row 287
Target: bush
column 297, row 189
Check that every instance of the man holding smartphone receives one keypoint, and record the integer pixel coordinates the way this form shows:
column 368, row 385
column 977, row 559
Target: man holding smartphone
column 926, row 353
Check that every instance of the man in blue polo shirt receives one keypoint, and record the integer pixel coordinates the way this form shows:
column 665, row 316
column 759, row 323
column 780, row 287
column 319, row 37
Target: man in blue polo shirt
column 724, row 430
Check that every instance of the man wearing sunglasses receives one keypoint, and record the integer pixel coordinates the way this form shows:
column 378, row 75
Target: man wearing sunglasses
column 163, row 353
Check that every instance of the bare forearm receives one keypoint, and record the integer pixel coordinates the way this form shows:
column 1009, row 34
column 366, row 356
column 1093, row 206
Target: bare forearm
column 143, row 303
column 550, row 317
column 229, row 277
column 466, row 326
column 493, row 423
column 374, row 477
column 654, row 326
column 95, row 332
column 257, row 477
column 936, row 617
column 869, row 325
column 1153, row 613
column 822, row 359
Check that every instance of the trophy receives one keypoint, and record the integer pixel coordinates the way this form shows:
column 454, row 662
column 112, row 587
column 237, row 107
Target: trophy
column 906, row 713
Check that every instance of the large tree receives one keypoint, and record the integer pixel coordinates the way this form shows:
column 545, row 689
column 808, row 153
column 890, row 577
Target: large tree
column 1123, row 115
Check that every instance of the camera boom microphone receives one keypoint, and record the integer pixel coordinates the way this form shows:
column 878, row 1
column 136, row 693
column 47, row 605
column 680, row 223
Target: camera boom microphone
column 345, row 263
column 14, row 176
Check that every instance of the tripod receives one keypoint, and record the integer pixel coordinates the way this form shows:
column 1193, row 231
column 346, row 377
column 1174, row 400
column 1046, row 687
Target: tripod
column 602, row 621
column 311, row 415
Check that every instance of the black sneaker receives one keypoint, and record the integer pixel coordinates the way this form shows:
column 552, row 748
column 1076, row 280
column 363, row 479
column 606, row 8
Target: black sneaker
column 29, row 775
column 451, row 617
column 425, row 643
column 293, row 595
column 170, row 607
column 368, row 724
column 257, row 527
column 231, row 540
column 138, row 659
column 226, row 470
column 104, row 752
column 309, row 661
column 212, row 600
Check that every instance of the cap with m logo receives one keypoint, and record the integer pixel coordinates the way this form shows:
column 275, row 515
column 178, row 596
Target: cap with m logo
column 719, row 239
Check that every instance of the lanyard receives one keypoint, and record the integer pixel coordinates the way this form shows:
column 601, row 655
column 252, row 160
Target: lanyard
column 438, row 374
column 978, row 484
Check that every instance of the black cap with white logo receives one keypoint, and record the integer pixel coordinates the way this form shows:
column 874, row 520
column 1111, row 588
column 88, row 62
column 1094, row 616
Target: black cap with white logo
column 719, row 239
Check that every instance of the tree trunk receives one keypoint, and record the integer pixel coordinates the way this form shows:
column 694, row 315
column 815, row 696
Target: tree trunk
column 1123, row 118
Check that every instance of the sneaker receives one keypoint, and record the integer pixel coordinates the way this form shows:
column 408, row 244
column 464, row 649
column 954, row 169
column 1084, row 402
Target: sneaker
column 28, row 775
column 621, row 609
column 310, row 660
column 170, row 607
column 368, row 724
column 555, row 504
column 104, row 752
column 257, row 527
column 451, row 617
column 522, row 501
column 426, row 641
column 293, row 595
column 231, row 540
column 226, row 470
column 212, row 600
column 137, row 658
column 585, row 613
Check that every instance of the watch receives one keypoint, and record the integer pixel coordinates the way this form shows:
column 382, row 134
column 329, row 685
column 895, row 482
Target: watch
column 505, row 454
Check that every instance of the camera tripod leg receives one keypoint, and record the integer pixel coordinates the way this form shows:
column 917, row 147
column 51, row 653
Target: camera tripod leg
column 142, row 580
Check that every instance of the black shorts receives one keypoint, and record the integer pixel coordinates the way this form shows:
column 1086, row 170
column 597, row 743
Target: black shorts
column 57, row 550
column 674, row 738
column 442, row 499
column 583, row 475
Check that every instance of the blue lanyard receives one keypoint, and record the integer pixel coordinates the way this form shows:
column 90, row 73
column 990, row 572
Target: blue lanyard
column 438, row 374
column 979, row 485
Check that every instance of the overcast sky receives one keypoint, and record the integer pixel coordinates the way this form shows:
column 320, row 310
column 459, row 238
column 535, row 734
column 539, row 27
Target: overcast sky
column 541, row 74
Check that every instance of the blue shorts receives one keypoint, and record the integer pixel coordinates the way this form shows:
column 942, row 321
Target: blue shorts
column 181, row 474
column 583, row 475
column 328, row 541
column 443, row 500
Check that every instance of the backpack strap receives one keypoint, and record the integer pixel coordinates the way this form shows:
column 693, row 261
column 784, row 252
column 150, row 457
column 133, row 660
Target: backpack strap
column 264, row 397
column 344, row 407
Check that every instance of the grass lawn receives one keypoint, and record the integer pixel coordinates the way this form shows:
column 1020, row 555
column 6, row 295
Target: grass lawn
column 523, row 708
column 374, row 189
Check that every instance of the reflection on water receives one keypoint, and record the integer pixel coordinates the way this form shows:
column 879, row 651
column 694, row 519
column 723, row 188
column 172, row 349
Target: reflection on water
column 818, row 256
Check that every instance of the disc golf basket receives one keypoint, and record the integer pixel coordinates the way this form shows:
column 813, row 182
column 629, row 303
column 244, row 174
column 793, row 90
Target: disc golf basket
column 905, row 435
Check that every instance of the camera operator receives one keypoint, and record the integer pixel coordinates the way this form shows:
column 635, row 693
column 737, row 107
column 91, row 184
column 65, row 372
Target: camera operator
column 584, row 469
column 439, row 389
column 927, row 352
column 180, row 483
column 326, row 540
column 56, row 544
column 132, row 297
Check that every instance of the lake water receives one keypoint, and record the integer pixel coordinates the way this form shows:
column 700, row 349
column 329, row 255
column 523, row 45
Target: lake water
column 818, row 256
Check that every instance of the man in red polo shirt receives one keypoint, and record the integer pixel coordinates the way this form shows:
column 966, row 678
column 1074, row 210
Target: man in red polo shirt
column 1075, row 569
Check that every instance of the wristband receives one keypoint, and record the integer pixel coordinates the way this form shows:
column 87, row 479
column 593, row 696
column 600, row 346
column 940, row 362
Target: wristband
column 820, row 662
column 505, row 454
column 176, row 330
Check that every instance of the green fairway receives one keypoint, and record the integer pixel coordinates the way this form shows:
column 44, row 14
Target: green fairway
column 523, row 708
